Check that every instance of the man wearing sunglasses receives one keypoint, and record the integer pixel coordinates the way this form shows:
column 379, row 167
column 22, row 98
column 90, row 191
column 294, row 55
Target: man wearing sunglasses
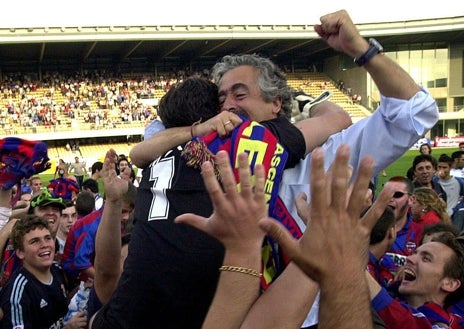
column 408, row 232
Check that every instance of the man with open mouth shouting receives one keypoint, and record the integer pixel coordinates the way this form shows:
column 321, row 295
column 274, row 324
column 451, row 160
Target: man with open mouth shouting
column 431, row 281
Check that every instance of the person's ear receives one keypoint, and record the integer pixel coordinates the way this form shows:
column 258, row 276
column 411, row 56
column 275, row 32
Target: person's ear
column 277, row 102
column 450, row 285
column 20, row 254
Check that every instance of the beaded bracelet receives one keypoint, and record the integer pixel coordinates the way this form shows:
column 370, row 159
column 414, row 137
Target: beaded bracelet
column 193, row 125
column 239, row 269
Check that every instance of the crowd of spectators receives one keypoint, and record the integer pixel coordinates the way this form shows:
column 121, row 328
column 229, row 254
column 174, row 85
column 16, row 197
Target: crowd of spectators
column 98, row 97
column 299, row 278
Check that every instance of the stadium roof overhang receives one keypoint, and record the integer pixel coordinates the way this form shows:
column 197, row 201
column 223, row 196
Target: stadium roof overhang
column 197, row 43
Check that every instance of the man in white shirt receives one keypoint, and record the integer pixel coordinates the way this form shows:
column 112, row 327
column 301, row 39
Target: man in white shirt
column 406, row 113
column 91, row 185
column 458, row 164
column 453, row 186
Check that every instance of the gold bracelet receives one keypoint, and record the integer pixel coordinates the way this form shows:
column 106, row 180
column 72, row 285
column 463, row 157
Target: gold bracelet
column 239, row 269
column 193, row 125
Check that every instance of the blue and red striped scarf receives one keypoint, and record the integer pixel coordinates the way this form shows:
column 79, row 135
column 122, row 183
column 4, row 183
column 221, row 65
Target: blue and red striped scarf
column 262, row 148
column 21, row 158
column 437, row 315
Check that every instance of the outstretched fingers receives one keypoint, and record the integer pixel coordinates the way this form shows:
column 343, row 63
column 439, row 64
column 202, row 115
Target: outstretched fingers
column 318, row 189
column 215, row 192
column 235, row 215
column 289, row 245
column 108, row 170
column 245, row 175
column 303, row 207
column 227, row 178
column 376, row 210
column 126, row 174
column 196, row 221
column 259, row 183
column 212, row 184
column 359, row 187
column 341, row 173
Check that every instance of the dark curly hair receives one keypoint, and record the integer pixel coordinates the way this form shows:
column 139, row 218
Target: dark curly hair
column 189, row 101
column 24, row 226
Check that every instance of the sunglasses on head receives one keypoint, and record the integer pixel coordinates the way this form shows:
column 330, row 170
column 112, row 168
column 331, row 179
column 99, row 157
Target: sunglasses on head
column 399, row 194
column 44, row 196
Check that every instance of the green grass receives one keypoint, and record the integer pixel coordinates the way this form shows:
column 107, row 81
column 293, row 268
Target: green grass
column 47, row 177
column 401, row 166
column 398, row 168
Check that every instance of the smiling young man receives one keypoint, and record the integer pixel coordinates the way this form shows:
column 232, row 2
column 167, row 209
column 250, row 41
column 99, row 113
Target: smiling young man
column 42, row 205
column 34, row 297
column 67, row 220
column 431, row 283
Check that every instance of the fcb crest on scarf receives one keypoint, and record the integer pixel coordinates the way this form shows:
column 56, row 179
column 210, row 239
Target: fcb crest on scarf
column 262, row 148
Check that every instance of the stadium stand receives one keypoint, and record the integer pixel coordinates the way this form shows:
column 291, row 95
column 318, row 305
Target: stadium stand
column 89, row 108
column 82, row 105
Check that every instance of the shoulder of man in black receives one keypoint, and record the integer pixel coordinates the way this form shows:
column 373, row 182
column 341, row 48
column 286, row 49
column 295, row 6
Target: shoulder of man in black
column 290, row 137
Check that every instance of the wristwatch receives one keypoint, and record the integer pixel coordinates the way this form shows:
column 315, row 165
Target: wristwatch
column 374, row 49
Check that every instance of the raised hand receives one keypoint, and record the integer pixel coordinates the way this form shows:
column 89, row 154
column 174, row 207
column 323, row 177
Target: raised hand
column 339, row 31
column 334, row 234
column 223, row 124
column 115, row 187
column 236, row 212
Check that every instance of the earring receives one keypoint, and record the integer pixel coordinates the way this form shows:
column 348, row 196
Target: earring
column 424, row 210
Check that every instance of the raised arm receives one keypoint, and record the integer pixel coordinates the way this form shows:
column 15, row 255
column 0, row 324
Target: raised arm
column 339, row 31
column 335, row 240
column 327, row 118
column 5, row 206
column 236, row 292
column 5, row 233
column 234, row 223
column 108, row 239
column 145, row 152
column 286, row 302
